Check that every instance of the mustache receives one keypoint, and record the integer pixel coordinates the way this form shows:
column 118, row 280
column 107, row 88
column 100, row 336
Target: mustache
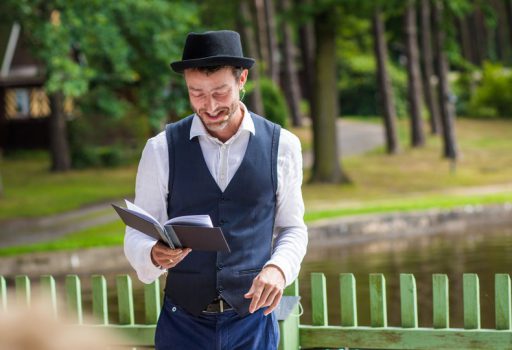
column 215, row 112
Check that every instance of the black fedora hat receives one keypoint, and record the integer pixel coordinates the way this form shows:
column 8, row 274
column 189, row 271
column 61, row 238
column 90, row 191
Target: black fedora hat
column 214, row 48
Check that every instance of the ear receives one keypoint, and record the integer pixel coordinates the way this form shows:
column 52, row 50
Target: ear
column 243, row 78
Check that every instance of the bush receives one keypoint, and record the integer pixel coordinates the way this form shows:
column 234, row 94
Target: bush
column 493, row 94
column 359, row 92
column 274, row 102
column 98, row 140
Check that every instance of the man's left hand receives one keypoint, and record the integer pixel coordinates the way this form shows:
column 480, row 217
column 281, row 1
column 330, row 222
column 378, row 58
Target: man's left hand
column 267, row 289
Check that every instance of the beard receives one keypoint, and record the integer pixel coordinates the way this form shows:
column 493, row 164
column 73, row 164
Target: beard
column 225, row 115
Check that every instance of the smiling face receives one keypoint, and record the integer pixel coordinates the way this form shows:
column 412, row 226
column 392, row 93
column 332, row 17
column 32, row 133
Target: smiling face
column 215, row 98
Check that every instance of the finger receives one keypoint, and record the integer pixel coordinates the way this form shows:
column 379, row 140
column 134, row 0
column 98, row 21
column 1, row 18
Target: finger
column 250, row 293
column 264, row 296
column 274, row 304
column 255, row 298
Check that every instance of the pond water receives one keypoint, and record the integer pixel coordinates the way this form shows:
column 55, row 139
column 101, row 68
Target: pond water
column 484, row 252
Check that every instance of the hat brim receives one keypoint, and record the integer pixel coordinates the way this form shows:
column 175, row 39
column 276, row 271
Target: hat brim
column 244, row 62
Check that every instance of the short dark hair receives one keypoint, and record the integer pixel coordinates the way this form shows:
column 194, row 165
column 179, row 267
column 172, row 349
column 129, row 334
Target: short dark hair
column 237, row 71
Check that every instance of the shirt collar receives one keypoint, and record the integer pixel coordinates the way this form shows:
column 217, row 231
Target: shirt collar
column 198, row 128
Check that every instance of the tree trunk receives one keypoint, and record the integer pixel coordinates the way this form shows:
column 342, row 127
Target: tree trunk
column 273, row 47
column 291, row 81
column 255, row 102
column 59, row 148
column 502, row 44
column 479, row 41
column 445, row 96
column 428, row 68
column 508, row 7
column 1, row 180
column 414, row 77
column 465, row 38
column 326, row 166
column 385, row 89
column 262, row 35
column 307, row 49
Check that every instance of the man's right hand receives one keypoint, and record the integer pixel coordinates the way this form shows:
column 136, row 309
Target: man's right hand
column 165, row 257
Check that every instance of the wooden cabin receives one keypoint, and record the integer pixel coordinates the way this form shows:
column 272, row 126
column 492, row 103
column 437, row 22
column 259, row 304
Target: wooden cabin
column 24, row 105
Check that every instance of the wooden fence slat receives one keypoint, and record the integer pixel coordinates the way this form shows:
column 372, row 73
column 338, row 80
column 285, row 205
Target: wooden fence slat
column 3, row 294
column 471, row 293
column 152, row 302
column 348, row 301
column 99, row 299
column 22, row 285
column 289, row 328
column 408, row 301
column 503, row 302
column 74, row 297
column 319, row 299
column 49, row 292
column 440, row 301
column 125, row 300
column 378, row 305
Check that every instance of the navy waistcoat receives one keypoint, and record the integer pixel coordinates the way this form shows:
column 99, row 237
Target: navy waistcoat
column 245, row 211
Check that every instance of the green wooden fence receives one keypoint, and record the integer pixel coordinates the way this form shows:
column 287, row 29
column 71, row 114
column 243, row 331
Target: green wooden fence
column 348, row 334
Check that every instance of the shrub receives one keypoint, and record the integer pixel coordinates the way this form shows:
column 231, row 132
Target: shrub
column 493, row 94
column 359, row 93
column 274, row 102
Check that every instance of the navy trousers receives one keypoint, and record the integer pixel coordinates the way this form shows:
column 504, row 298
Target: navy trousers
column 177, row 329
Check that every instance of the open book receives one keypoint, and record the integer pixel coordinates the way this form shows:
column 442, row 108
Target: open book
column 191, row 231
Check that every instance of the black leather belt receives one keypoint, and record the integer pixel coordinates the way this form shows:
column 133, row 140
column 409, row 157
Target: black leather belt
column 218, row 305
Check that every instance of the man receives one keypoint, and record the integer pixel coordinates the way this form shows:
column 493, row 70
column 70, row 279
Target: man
column 246, row 173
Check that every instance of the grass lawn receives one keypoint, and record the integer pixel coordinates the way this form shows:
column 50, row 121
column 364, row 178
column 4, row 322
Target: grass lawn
column 412, row 180
column 31, row 190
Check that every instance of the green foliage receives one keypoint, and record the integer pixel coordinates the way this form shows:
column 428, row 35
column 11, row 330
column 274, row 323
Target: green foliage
column 113, row 54
column 359, row 89
column 493, row 95
column 274, row 102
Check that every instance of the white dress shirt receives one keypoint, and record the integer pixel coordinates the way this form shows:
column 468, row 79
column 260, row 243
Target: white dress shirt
column 223, row 160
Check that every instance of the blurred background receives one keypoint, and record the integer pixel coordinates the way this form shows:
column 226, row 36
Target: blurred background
column 402, row 107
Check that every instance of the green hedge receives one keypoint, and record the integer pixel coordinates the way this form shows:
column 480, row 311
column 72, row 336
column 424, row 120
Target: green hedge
column 358, row 88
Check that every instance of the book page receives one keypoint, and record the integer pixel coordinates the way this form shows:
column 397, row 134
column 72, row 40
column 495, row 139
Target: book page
column 145, row 214
column 191, row 220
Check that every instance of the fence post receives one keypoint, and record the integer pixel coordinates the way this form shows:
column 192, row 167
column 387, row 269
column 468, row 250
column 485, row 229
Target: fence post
column 289, row 328
column 408, row 301
column 74, row 297
column 319, row 299
column 152, row 301
column 3, row 294
column 22, row 284
column 440, row 301
column 99, row 299
column 471, row 293
column 378, row 305
column 503, row 302
column 125, row 300
column 49, row 292
column 348, row 301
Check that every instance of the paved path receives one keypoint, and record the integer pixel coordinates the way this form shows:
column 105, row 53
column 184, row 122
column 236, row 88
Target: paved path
column 354, row 138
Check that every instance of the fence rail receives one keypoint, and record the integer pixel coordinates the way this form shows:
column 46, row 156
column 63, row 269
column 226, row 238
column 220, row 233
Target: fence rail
column 320, row 334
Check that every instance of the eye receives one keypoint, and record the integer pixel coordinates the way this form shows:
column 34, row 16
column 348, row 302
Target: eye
column 220, row 94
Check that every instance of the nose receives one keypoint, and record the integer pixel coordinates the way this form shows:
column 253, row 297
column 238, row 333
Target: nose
column 210, row 104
